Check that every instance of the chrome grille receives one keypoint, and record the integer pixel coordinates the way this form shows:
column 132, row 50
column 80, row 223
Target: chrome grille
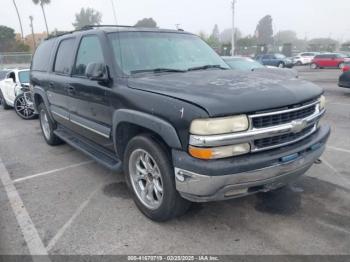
column 282, row 139
column 282, row 118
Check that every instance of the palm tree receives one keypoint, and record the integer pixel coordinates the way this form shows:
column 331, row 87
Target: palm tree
column 19, row 18
column 88, row 16
column 42, row 3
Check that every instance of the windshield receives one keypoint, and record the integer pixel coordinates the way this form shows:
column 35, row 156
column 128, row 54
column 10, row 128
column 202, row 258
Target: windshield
column 23, row 76
column 243, row 63
column 140, row 51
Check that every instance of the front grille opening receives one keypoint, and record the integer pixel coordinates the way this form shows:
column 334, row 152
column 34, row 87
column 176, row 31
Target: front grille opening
column 280, row 119
column 282, row 139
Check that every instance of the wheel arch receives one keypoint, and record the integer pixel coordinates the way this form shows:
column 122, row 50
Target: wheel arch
column 40, row 96
column 129, row 123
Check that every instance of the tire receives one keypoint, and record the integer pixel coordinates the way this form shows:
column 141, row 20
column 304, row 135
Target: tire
column 313, row 66
column 299, row 63
column 281, row 65
column 167, row 202
column 341, row 65
column 48, row 126
column 3, row 103
column 22, row 109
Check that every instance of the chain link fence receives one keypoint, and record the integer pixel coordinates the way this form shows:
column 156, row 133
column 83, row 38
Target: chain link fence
column 15, row 60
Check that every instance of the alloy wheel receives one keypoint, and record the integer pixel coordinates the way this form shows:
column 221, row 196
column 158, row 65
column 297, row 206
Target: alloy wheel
column 44, row 121
column 23, row 109
column 146, row 179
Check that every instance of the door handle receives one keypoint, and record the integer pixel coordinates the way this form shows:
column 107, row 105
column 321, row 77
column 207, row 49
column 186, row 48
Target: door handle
column 70, row 89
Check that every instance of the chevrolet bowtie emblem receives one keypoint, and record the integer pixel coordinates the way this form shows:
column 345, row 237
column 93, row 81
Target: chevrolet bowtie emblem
column 298, row 126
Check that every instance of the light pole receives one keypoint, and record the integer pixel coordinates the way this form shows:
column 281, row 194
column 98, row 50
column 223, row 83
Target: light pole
column 233, row 27
column 114, row 13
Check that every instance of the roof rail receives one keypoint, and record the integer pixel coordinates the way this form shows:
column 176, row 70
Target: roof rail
column 97, row 26
column 86, row 27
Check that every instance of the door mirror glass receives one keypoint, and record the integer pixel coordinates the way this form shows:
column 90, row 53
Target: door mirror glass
column 96, row 71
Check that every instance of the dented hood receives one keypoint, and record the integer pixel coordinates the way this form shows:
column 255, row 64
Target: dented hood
column 228, row 92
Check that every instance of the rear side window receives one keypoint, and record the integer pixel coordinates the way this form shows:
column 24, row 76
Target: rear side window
column 90, row 51
column 65, row 52
column 42, row 56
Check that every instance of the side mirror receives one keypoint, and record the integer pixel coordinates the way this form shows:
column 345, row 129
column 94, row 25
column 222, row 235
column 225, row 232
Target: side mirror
column 97, row 72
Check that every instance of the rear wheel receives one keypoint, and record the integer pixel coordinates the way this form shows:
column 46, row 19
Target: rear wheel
column 150, row 177
column 48, row 126
column 281, row 65
column 314, row 66
column 22, row 108
column 3, row 103
column 299, row 63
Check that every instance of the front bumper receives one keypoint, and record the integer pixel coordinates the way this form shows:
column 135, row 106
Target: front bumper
column 203, row 181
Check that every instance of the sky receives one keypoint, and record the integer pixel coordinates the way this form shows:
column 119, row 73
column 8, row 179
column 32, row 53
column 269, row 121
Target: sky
column 309, row 18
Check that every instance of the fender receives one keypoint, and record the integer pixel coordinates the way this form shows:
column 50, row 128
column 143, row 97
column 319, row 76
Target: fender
column 40, row 91
column 157, row 125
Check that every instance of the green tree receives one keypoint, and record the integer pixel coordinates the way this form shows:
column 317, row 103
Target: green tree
column 88, row 16
column 7, row 38
column 323, row 44
column 264, row 31
column 248, row 41
column 285, row 37
column 345, row 46
column 216, row 33
column 42, row 3
column 8, row 41
column 146, row 22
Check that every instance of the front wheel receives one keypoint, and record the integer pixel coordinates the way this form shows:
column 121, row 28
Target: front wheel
column 150, row 177
column 341, row 65
column 22, row 108
column 314, row 66
column 48, row 126
column 281, row 65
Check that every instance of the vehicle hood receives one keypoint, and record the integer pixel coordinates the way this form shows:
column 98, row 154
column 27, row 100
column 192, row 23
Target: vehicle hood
column 228, row 92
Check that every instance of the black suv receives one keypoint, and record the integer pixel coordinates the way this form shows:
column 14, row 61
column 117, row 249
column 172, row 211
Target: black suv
column 162, row 105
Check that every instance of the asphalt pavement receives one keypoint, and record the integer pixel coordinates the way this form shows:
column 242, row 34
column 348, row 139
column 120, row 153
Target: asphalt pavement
column 55, row 200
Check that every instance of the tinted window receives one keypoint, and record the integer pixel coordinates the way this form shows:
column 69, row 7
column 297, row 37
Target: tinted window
column 268, row 57
column 42, row 56
column 280, row 56
column 323, row 56
column 90, row 51
column 64, row 56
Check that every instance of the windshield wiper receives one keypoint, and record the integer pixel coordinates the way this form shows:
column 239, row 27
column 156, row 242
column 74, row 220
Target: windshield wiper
column 158, row 70
column 205, row 67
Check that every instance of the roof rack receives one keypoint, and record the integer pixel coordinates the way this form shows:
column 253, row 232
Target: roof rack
column 86, row 27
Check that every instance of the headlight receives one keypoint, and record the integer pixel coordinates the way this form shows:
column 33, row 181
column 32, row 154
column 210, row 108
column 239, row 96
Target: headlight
column 219, row 152
column 217, row 126
column 322, row 101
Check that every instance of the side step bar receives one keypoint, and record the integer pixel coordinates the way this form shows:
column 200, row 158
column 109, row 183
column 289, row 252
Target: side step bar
column 96, row 152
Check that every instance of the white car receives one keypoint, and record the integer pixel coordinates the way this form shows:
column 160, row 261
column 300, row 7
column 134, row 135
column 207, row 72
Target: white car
column 14, row 92
column 304, row 58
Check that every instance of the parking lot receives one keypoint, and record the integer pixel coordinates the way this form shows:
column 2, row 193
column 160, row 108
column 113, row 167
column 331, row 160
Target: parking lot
column 56, row 200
